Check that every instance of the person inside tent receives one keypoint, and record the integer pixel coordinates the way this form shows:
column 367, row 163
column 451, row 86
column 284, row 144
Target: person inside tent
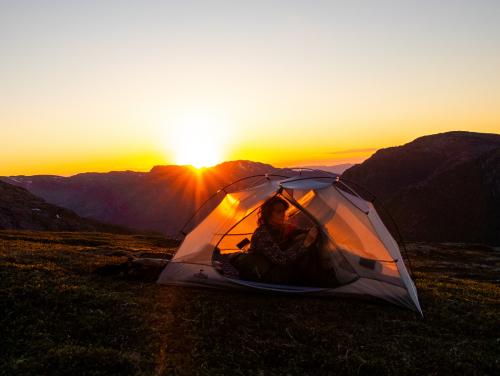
column 282, row 253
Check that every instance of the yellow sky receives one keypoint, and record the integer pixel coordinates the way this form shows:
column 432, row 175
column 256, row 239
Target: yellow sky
column 98, row 87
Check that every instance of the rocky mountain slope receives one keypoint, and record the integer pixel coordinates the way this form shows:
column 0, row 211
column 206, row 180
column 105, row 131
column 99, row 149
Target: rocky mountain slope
column 19, row 209
column 161, row 200
column 443, row 187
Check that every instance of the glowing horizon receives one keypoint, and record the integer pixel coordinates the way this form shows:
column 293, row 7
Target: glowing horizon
column 93, row 86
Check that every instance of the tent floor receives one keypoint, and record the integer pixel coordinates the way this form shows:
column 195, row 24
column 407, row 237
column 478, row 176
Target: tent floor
column 222, row 263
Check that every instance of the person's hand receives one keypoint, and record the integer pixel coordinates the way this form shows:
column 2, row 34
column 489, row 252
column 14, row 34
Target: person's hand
column 311, row 236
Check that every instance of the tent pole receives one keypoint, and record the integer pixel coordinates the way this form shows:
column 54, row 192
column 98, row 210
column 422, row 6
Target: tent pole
column 223, row 189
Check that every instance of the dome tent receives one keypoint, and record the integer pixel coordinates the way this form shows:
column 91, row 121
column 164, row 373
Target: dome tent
column 366, row 258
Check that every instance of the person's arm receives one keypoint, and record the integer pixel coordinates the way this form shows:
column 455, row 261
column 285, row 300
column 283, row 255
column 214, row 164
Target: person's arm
column 296, row 250
column 263, row 243
column 311, row 237
column 299, row 247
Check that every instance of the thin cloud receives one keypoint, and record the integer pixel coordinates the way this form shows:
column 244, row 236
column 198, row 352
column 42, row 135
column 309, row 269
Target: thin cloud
column 354, row 151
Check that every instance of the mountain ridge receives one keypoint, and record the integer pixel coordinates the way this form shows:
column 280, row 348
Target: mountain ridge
column 159, row 200
column 21, row 210
column 443, row 187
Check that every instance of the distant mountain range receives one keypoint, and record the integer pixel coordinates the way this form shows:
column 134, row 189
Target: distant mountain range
column 19, row 209
column 443, row 187
column 337, row 169
column 160, row 200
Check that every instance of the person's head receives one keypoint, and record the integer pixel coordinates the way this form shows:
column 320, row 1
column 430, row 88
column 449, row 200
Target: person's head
column 272, row 212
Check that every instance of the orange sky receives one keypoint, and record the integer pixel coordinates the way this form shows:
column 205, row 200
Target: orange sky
column 88, row 86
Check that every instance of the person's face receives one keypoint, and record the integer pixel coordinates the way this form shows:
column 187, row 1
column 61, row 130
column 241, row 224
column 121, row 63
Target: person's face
column 277, row 217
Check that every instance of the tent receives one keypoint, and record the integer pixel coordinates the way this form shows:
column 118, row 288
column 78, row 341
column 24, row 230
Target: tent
column 366, row 258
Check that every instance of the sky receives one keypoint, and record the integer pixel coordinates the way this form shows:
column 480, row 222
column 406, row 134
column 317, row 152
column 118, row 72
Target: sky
column 117, row 85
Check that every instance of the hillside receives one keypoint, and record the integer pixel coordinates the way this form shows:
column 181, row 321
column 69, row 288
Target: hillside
column 19, row 209
column 161, row 200
column 58, row 317
column 443, row 187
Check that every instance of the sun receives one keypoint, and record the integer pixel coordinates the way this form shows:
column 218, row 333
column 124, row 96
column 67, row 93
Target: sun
column 197, row 153
column 198, row 140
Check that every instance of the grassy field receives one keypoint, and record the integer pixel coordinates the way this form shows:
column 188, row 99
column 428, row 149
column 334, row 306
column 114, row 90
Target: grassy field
column 59, row 317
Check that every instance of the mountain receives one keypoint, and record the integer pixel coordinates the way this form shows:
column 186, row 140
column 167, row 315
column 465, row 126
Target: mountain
column 336, row 169
column 19, row 209
column 443, row 187
column 161, row 200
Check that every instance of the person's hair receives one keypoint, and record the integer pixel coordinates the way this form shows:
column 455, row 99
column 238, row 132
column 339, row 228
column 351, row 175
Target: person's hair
column 267, row 208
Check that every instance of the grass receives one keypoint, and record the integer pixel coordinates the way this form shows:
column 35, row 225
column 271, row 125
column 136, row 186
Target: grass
column 58, row 317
